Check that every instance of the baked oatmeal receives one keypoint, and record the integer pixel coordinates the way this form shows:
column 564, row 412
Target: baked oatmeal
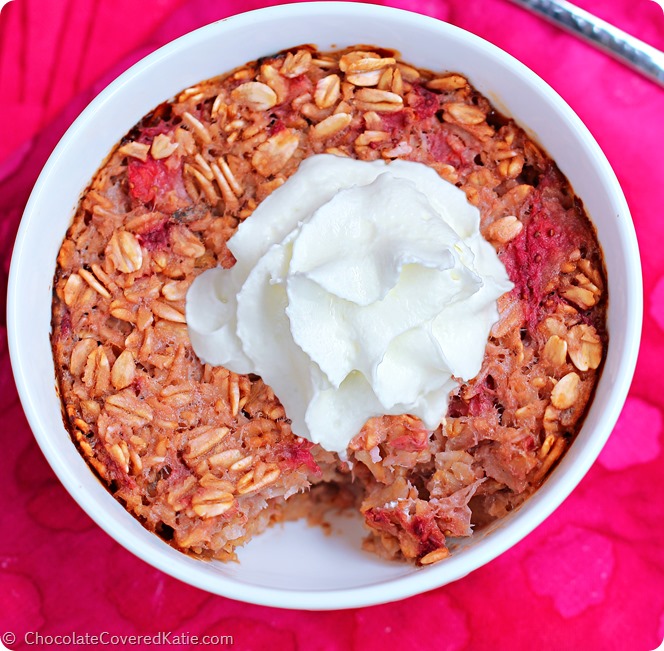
column 206, row 457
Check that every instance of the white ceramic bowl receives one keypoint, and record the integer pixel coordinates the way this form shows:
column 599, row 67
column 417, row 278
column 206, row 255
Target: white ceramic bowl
column 295, row 566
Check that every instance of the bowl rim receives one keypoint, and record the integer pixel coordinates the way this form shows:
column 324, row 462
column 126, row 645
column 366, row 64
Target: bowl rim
column 400, row 587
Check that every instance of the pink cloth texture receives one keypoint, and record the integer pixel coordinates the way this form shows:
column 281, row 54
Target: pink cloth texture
column 590, row 577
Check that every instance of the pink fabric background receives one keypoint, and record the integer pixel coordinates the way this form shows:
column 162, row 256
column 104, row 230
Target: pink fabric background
column 591, row 577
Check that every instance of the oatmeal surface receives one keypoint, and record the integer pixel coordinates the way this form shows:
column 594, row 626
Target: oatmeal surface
column 207, row 458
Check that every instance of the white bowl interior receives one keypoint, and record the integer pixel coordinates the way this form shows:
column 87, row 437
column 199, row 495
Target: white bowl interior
column 294, row 565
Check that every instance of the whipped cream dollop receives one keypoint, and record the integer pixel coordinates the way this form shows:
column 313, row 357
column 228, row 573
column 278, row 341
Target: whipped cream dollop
column 360, row 289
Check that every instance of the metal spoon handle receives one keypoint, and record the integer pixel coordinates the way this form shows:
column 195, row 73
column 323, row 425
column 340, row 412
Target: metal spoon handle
column 629, row 50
